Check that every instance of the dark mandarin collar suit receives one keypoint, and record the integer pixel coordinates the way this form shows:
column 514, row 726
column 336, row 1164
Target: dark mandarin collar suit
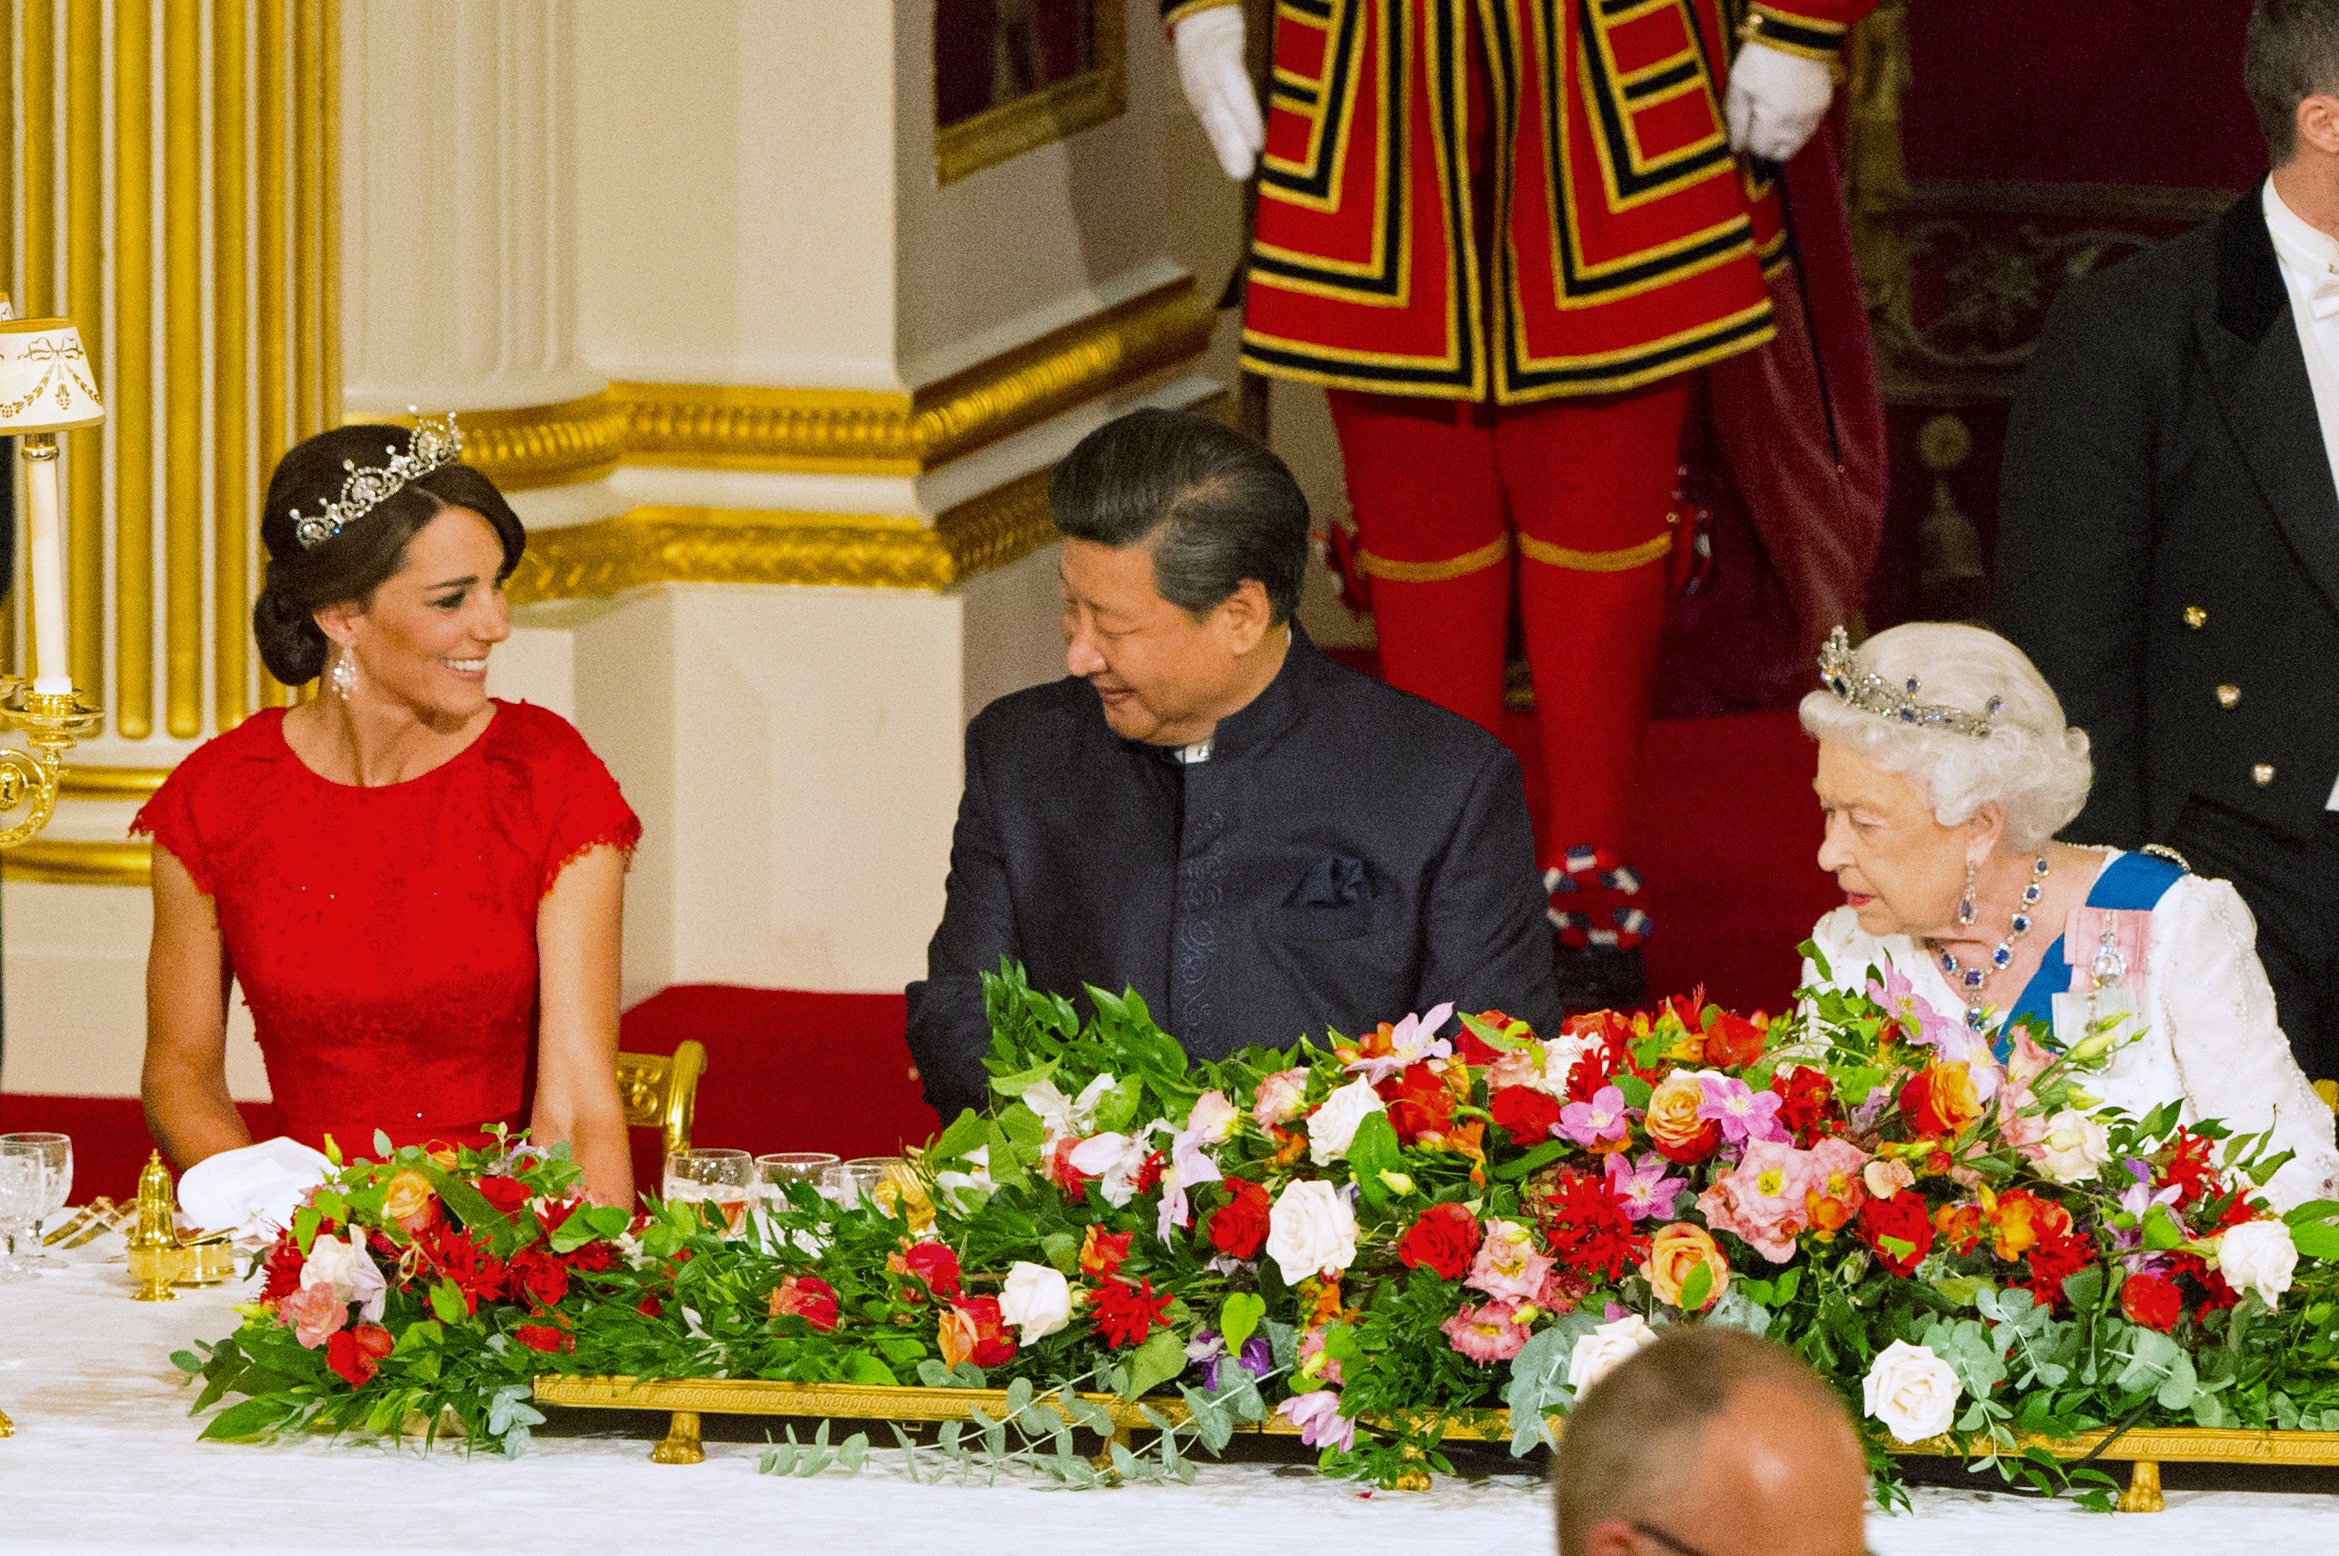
column 1345, row 855
column 2169, row 557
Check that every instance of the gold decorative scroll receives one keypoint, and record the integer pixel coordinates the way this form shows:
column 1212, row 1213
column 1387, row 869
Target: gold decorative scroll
column 546, row 445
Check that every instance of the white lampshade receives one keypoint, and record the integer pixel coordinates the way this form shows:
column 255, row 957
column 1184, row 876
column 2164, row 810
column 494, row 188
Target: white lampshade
column 45, row 380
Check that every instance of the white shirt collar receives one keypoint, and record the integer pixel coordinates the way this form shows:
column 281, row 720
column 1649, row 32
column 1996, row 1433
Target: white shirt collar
column 2307, row 252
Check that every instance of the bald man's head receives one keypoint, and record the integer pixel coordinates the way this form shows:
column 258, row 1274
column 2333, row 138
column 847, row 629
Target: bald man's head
column 1711, row 1442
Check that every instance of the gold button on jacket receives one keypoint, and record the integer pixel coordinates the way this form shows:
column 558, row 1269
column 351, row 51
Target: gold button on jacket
column 2228, row 695
column 2262, row 774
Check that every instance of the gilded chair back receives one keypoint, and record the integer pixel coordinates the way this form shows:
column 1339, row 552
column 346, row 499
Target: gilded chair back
column 661, row 1093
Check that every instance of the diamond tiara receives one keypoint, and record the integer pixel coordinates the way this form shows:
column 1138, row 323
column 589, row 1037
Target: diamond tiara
column 1871, row 693
column 437, row 442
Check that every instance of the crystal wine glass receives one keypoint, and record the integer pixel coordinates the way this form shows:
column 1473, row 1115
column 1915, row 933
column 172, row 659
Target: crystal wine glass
column 776, row 1170
column 56, row 1152
column 724, row 1179
column 23, row 1186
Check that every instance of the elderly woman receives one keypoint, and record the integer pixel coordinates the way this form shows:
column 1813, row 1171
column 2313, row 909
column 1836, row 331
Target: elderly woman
column 1945, row 771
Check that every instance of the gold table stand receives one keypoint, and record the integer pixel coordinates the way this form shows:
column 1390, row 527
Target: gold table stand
column 687, row 1399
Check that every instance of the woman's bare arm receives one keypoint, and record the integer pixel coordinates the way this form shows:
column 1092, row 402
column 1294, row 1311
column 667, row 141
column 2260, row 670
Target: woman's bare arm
column 184, row 1083
column 579, row 929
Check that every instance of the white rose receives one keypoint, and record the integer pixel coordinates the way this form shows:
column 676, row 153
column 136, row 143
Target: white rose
column 1037, row 1300
column 1912, row 1391
column 2075, row 1147
column 2257, row 1256
column 1311, row 1229
column 1597, row 1353
column 348, row 1270
column 1332, row 1126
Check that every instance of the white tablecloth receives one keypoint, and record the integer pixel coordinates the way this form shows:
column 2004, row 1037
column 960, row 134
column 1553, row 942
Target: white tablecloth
column 105, row 1458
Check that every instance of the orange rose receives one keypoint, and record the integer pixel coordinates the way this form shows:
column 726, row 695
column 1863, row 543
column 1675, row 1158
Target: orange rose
column 1672, row 1122
column 409, row 1200
column 1677, row 1250
column 1939, row 1100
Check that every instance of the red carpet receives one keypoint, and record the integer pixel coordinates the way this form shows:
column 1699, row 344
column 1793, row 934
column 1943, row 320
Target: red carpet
column 1726, row 834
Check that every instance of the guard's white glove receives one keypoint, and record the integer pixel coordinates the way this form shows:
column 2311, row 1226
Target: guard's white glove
column 1776, row 100
column 1218, row 87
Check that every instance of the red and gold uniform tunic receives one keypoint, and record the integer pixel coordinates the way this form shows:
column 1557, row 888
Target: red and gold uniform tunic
column 1612, row 240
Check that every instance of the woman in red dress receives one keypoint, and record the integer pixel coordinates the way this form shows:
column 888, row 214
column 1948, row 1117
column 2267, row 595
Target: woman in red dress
column 418, row 886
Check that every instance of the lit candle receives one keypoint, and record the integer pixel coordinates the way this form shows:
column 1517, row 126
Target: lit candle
column 54, row 674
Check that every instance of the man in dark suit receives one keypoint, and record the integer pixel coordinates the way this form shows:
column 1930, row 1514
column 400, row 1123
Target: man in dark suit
column 1263, row 843
column 2169, row 543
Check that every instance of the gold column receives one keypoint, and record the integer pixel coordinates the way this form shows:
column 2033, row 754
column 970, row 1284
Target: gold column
column 131, row 402
column 37, row 295
column 7, row 268
column 85, row 450
column 329, row 248
column 36, row 283
column 308, row 216
column 182, row 177
column 231, row 542
column 268, row 221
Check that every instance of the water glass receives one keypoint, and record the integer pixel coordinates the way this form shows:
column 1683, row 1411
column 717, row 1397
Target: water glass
column 775, row 1171
column 24, row 1185
column 723, row 1179
column 851, row 1183
column 56, row 1153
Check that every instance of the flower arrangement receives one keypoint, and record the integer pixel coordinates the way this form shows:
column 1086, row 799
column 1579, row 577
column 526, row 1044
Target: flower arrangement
column 423, row 1290
column 1375, row 1238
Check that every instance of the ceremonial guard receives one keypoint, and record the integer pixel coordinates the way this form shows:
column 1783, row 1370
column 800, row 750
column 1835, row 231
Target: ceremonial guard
column 1505, row 236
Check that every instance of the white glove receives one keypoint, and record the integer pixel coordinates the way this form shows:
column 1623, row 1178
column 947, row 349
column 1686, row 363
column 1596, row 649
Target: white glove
column 1776, row 100
column 1218, row 87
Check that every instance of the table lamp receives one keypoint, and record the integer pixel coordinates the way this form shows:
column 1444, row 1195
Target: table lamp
column 46, row 387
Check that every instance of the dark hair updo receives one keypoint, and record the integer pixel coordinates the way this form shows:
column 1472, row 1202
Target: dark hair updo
column 351, row 565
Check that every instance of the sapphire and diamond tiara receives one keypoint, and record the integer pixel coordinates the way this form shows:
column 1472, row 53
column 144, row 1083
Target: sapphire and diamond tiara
column 436, row 443
column 1872, row 693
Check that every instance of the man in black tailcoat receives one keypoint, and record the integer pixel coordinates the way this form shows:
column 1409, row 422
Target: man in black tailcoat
column 2169, row 547
column 1261, row 842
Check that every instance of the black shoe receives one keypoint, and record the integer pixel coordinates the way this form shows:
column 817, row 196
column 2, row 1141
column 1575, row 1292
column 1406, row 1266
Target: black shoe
column 1599, row 977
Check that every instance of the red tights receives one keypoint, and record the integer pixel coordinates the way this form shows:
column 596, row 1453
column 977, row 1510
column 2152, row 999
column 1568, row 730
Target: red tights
column 1441, row 489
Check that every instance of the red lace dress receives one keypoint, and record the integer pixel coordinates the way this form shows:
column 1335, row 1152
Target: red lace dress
column 385, row 938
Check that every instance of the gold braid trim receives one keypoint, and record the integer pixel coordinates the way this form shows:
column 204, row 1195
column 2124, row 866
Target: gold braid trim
column 1492, row 554
column 1575, row 561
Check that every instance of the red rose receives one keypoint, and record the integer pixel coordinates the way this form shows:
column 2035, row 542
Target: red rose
column 933, row 1263
column 1445, row 1238
column 1238, row 1228
column 807, row 1297
column 539, row 1276
column 1528, row 1116
column 357, row 1353
column 2151, row 1301
column 1126, row 1314
column 1733, row 1041
column 1101, row 1252
column 1903, row 1217
column 543, row 1337
column 505, row 1194
column 593, row 1257
column 1420, row 1103
column 973, row 1331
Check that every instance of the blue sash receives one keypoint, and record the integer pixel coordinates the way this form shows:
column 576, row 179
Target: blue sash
column 2135, row 881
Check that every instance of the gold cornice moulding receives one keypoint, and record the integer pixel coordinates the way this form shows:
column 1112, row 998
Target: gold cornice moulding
column 78, row 862
column 659, row 545
column 841, row 431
